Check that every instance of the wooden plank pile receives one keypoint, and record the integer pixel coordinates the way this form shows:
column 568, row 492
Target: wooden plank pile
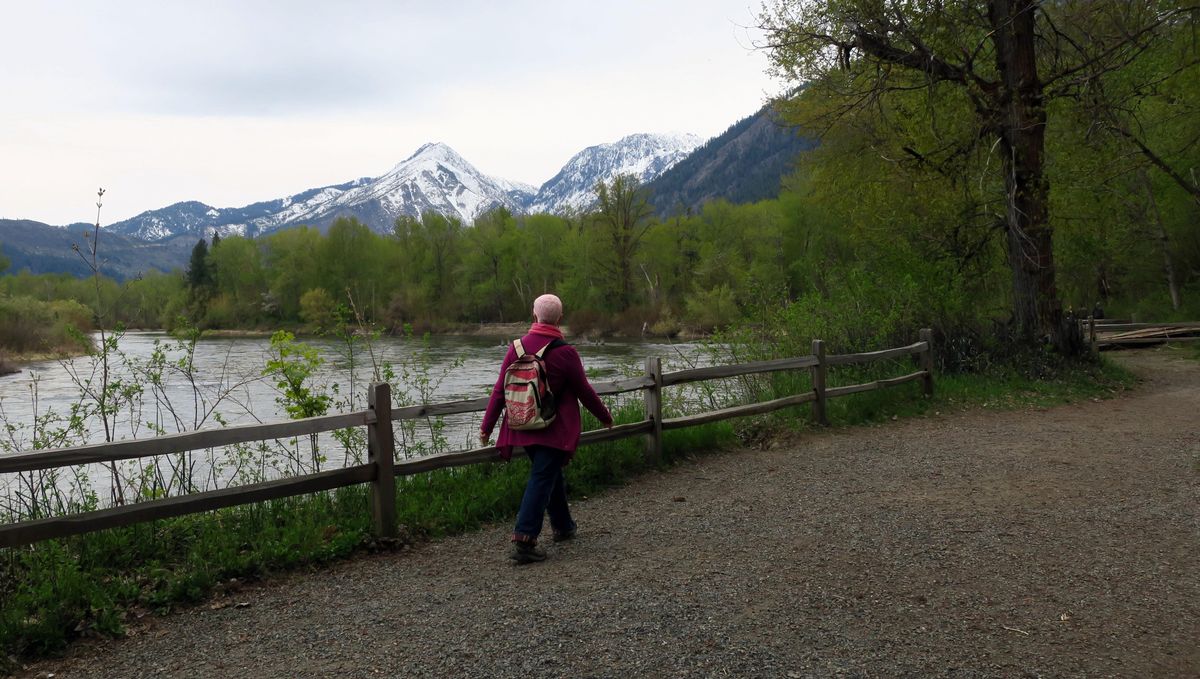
column 1141, row 334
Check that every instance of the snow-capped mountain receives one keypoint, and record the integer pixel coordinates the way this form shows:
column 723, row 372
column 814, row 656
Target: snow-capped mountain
column 645, row 156
column 434, row 178
column 198, row 219
column 186, row 217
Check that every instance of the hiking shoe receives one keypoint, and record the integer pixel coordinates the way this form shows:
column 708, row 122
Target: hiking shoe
column 526, row 552
column 563, row 536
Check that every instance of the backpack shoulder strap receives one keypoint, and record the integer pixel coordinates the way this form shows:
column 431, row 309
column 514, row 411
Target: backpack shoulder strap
column 553, row 344
column 518, row 347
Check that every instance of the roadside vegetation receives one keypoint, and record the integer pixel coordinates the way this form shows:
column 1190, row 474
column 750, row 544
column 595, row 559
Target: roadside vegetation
column 98, row 584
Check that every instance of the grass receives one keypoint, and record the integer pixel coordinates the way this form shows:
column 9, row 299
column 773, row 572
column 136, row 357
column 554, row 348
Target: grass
column 1190, row 350
column 92, row 584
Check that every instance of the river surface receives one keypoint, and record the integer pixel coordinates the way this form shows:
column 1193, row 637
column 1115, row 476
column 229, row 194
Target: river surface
column 226, row 385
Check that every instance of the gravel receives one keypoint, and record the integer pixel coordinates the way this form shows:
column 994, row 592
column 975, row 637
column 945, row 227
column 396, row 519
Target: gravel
column 1036, row 543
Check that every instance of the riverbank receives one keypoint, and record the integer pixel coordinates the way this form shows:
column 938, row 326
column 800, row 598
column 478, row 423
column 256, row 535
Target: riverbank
column 513, row 330
column 12, row 363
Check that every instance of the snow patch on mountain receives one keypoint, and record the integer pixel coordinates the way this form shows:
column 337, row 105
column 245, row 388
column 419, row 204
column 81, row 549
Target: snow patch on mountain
column 645, row 156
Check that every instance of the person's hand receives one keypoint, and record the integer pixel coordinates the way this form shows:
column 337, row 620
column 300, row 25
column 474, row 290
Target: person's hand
column 484, row 439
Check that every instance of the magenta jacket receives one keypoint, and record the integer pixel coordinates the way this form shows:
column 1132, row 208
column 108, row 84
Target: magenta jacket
column 570, row 386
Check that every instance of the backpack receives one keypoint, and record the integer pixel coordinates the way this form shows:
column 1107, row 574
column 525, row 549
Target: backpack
column 528, row 402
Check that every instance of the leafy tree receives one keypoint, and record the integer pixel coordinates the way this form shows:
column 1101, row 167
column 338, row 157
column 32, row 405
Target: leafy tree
column 290, row 261
column 316, row 309
column 488, row 261
column 237, row 269
column 430, row 253
column 347, row 258
column 1004, row 59
column 623, row 216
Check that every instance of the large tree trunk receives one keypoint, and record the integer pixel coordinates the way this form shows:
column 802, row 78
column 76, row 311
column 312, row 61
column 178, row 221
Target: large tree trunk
column 1021, row 126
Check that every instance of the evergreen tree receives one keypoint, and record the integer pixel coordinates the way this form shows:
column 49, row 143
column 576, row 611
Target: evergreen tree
column 198, row 274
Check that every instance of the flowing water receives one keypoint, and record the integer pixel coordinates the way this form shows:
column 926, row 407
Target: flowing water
column 226, row 386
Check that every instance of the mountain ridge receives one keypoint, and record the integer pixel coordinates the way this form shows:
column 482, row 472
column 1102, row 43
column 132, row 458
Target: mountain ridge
column 433, row 178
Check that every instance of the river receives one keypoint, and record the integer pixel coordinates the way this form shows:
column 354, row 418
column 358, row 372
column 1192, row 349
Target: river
column 226, row 386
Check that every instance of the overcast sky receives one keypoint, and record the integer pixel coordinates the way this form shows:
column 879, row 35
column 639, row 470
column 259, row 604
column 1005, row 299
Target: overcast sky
column 231, row 102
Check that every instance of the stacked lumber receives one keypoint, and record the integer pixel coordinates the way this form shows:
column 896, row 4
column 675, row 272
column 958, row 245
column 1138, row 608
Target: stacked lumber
column 1133, row 334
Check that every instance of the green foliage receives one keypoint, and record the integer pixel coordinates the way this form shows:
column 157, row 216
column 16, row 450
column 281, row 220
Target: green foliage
column 292, row 364
column 317, row 309
column 30, row 326
column 237, row 273
column 623, row 215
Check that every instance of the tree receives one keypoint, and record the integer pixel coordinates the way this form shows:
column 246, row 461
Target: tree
column 1004, row 59
column 349, row 261
column 290, row 259
column 623, row 216
column 489, row 256
column 198, row 274
column 430, row 251
column 236, row 268
column 317, row 309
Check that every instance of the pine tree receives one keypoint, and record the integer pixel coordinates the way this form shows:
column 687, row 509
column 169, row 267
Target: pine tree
column 198, row 274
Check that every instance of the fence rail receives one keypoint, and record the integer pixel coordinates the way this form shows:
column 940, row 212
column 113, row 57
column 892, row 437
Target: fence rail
column 381, row 469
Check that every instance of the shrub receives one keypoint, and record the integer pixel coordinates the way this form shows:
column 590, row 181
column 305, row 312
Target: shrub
column 316, row 309
column 28, row 325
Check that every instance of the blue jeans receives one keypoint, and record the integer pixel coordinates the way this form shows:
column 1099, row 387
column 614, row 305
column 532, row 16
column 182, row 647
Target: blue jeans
column 545, row 492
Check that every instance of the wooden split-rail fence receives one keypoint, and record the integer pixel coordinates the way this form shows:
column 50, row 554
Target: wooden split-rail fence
column 381, row 468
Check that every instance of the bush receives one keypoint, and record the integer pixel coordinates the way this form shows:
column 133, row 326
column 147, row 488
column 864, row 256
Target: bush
column 28, row 325
column 316, row 309
column 587, row 322
column 712, row 309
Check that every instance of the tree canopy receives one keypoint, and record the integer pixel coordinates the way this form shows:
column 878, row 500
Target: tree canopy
column 1001, row 64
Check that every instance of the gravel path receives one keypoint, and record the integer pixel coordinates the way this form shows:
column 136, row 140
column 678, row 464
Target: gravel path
column 1039, row 543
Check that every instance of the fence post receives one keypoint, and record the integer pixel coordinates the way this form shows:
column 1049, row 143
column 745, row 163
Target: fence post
column 380, row 453
column 818, row 382
column 1092, row 332
column 654, row 410
column 926, row 336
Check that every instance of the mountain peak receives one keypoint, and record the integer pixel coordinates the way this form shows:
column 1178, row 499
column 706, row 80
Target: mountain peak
column 435, row 151
column 643, row 155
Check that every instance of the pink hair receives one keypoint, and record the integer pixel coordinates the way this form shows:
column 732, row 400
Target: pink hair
column 548, row 309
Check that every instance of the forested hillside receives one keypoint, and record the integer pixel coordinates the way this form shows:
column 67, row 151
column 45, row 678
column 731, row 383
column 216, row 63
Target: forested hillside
column 744, row 164
column 41, row 248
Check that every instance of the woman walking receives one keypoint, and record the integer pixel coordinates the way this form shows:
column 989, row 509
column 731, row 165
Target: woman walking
column 553, row 446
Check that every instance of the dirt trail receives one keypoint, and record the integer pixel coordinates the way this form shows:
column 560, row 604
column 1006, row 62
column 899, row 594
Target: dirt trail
column 1039, row 543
